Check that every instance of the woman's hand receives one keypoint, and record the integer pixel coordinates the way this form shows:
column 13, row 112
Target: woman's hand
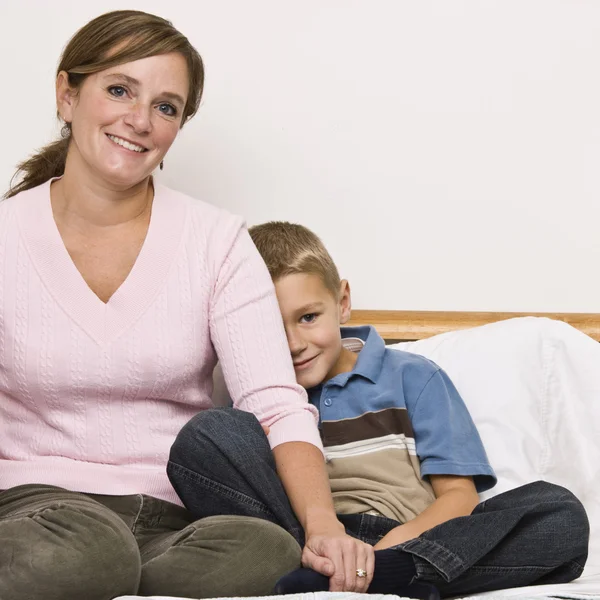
column 328, row 549
column 339, row 557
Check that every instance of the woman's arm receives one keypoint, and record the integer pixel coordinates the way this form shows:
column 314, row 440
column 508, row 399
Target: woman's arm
column 455, row 497
column 328, row 549
column 248, row 335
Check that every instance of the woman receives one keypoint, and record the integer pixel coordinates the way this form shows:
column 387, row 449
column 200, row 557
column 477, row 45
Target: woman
column 116, row 298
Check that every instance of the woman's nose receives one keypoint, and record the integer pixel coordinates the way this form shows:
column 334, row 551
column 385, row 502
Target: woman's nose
column 138, row 117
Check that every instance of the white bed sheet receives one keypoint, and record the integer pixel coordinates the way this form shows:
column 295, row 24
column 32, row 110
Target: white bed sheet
column 584, row 588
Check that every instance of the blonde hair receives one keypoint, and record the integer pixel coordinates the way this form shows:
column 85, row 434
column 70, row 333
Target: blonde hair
column 111, row 39
column 289, row 248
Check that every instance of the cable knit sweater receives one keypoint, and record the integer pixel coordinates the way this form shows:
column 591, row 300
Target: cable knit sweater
column 92, row 395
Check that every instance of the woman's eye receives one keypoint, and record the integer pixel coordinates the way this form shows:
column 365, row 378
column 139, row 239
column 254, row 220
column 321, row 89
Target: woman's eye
column 167, row 109
column 117, row 91
column 309, row 318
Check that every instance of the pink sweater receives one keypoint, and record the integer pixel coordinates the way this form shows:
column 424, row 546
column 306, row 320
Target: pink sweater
column 92, row 395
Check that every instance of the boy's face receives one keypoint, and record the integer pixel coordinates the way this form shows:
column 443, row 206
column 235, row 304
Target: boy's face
column 312, row 318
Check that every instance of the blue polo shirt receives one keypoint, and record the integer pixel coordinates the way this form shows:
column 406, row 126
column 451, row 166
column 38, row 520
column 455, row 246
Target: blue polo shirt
column 395, row 407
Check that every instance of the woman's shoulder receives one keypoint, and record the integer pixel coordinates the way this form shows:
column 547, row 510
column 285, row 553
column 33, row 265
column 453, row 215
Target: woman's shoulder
column 215, row 226
column 29, row 197
column 7, row 205
column 7, row 212
column 197, row 207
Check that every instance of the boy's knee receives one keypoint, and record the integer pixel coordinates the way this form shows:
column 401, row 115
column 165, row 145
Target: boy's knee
column 219, row 419
column 544, row 492
column 210, row 426
column 574, row 518
column 67, row 551
column 562, row 497
column 567, row 520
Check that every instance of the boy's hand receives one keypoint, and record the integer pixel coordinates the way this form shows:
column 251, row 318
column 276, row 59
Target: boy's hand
column 455, row 496
column 339, row 557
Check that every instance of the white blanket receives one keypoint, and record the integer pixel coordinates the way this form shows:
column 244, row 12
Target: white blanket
column 532, row 386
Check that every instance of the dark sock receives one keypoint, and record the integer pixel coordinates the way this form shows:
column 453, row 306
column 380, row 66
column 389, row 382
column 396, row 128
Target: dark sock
column 300, row 581
column 394, row 569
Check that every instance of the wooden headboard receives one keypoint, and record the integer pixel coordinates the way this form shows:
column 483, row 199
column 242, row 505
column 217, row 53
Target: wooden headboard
column 405, row 325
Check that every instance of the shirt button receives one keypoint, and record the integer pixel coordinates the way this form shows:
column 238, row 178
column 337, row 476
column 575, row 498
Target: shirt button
column 328, row 402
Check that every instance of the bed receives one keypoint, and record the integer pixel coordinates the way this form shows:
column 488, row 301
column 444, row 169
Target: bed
column 546, row 372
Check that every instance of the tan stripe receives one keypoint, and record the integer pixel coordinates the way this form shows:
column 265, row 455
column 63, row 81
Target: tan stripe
column 388, row 482
column 370, row 425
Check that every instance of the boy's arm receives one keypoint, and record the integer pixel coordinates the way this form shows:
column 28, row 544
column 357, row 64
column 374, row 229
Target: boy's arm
column 328, row 549
column 451, row 454
column 456, row 496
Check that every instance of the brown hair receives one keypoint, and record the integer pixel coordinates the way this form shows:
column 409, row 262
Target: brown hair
column 108, row 40
column 289, row 248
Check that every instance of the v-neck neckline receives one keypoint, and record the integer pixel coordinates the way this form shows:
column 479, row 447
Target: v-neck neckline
column 104, row 322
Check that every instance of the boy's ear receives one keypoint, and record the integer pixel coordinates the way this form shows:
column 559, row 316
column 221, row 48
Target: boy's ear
column 345, row 304
column 66, row 97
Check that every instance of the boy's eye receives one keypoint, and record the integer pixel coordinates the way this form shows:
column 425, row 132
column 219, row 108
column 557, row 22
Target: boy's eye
column 167, row 109
column 309, row 318
column 117, row 90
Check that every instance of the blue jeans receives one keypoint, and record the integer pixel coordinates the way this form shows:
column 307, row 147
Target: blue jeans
column 221, row 463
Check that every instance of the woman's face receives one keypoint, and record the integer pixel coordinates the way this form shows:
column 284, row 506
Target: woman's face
column 124, row 119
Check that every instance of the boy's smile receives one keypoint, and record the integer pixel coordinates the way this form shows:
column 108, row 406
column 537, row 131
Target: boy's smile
column 312, row 317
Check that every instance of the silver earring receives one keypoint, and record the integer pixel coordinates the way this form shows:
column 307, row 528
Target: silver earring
column 65, row 131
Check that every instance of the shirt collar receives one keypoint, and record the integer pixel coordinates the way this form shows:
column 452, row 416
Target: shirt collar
column 370, row 358
column 368, row 364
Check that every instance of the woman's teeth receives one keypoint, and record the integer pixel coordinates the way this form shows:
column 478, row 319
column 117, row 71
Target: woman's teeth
column 126, row 144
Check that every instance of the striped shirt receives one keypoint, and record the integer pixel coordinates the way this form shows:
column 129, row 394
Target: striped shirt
column 388, row 424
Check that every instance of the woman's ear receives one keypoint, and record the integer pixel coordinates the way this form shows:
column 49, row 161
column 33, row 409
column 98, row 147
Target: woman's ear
column 66, row 97
column 345, row 303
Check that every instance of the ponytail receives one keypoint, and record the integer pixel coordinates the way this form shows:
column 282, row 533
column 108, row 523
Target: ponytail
column 49, row 162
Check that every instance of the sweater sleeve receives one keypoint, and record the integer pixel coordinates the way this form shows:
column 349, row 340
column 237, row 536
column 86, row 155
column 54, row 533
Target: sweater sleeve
column 249, row 338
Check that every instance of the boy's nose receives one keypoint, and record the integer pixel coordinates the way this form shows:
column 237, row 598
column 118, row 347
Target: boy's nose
column 296, row 343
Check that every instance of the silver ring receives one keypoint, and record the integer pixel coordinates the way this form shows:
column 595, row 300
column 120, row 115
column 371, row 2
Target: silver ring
column 361, row 573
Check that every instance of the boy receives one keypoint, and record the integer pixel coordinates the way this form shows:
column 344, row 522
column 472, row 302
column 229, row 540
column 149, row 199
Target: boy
column 405, row 460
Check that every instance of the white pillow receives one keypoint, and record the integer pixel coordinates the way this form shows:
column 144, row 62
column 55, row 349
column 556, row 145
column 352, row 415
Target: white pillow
column 532, row 386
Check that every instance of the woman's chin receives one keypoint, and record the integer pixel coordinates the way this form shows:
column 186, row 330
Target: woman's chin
column 124, row 178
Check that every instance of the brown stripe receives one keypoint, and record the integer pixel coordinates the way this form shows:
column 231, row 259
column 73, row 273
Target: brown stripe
column 368, row 426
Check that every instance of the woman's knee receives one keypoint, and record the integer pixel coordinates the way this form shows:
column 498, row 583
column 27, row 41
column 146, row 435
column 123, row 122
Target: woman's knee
column 240, row 556
column 67, row 550
column 262, row 553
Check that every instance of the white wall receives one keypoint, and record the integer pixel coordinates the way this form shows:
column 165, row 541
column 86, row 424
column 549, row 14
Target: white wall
column 448, row 152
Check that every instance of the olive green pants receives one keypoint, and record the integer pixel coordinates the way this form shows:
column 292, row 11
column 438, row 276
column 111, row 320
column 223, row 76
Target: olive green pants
column 60, row 545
